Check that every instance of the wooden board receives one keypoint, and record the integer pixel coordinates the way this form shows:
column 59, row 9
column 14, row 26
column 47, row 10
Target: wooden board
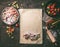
column 30, row 20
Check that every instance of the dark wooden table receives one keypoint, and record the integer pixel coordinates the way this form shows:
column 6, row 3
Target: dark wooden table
column 5, row 40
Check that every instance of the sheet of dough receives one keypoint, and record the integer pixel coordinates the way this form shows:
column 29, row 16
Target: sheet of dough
column 30, row 20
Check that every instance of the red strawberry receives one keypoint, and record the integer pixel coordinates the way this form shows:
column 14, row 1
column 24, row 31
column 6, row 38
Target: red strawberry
column 54, row 14
column 53, row 5
column 58, row 9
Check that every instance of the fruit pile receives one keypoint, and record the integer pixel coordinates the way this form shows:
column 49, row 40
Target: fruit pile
column 52, row 9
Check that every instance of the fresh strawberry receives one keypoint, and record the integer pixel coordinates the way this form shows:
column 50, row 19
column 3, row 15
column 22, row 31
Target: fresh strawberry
column 54, row 14
column 53, row 5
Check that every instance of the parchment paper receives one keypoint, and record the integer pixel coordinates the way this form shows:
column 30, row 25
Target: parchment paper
column 30, row 20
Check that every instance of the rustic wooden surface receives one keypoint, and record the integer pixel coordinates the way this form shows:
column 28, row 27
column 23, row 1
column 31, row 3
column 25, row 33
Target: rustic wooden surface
column 5, row 41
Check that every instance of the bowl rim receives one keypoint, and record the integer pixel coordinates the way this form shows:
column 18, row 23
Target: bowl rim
column 17, row 17
column 54, row 17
